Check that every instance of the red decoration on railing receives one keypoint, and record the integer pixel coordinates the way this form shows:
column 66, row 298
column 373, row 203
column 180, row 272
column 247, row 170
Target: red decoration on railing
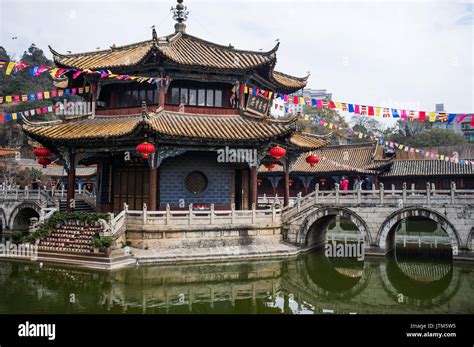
column 270, row 167
column 45, row 161
column 145, row 149
column 312, row 159
column 277, row 152
column 41, row 152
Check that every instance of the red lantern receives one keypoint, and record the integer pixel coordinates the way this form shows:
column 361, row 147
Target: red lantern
column 259, row 182
column 270, row 167
column 277, row 152
column 312, row 159
column 41, row 152
column 145, row 149
column 45, row 161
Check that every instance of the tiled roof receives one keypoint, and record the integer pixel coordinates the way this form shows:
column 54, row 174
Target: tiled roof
column 181, row 49
column 166, row 124
column 309, row 141
column 422, row 167
column 57, row 170
column 7, row 152
column 359, row 156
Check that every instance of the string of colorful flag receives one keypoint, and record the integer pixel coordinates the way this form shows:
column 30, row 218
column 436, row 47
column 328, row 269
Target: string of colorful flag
column 347, row 167
column 47, row 94
column 19, row 115
column 37, row 70
column 362, row 110
column 393, row 144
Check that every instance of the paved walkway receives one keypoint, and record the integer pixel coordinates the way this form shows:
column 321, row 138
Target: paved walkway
column 214, row 253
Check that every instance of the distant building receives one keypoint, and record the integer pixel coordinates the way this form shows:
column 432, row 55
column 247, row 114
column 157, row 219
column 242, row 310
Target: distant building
column 306, row 93
column 464, row 128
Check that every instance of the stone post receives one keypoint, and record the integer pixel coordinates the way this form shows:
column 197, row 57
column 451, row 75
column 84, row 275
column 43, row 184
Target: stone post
column 168, row 214
column 212, row 214
column 254, row 213
column 413, row 189
column 428, row 197
column 316, row 193
column 359, row 195
column 381, row 191
column 190, row 219
column 453, row 192
column 393, row 189
column 404, row 193
column 273, row 214
column 337, row 192
column 144, row 213
column 298, row 202
column 233, row 214
column 433, row 188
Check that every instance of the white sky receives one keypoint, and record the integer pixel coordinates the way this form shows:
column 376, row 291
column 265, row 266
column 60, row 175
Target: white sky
column 394, row 54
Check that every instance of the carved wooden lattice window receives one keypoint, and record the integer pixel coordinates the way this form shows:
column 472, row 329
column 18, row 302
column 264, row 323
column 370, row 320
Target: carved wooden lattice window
column 195, row 182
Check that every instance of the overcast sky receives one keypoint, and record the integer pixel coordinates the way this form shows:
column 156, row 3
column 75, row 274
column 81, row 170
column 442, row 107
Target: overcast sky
column 401, row 54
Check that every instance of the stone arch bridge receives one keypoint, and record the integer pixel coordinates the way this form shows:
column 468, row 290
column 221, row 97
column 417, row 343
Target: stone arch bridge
column 377, row 213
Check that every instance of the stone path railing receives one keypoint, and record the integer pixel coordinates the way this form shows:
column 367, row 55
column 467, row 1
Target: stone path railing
column 195, row 217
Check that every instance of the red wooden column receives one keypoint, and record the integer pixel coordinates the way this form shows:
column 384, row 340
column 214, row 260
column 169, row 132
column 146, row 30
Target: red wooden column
column 153, row 182
column 242, row 99
column 286, row 186
column 253, row 185
column 71, row 182
column 161, row 98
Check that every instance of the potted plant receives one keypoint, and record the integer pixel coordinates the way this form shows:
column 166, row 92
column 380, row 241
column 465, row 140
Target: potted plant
column 96, row 244
column 106, row 243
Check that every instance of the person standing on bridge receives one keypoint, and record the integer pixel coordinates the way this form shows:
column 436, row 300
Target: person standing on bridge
column 344, row 183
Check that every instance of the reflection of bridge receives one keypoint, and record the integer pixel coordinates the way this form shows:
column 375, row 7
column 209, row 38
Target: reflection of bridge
column 377, row 213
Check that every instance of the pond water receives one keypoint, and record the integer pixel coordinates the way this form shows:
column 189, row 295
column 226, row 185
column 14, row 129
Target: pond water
column 311, row 283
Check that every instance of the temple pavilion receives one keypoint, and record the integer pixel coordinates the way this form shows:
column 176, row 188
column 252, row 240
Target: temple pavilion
column 196, row 109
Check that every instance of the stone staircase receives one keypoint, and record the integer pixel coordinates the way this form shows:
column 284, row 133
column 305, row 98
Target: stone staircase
column 70, row 237
column 81, row 206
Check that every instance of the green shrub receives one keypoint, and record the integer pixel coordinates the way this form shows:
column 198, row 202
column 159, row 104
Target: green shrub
column 17, row 236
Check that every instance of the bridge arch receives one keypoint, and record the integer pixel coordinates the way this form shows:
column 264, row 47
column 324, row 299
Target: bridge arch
column 319, row 213
column 405, row 213
column 470, row 239
column 3, row 219
column 21, row 214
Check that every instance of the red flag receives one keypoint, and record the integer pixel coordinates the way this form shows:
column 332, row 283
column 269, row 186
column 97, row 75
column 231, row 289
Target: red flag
column 371, row 110
column 295, row 100
column 422, row 115
column 472, row 121
column 38, row 110
column 332, row 104
column 53, row 93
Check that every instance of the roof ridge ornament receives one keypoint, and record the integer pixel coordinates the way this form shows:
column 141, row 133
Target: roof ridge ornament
column 180, row 15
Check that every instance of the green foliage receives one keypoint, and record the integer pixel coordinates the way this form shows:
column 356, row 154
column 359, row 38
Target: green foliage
column 61, row 218
column 431, row 137
column 17, row 236
column 102, row 242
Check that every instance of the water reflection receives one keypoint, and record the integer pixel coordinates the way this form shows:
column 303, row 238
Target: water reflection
column 311, row 283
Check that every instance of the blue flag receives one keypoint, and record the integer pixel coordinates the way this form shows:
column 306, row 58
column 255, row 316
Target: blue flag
column 32, row 96
column 350, row 108
column 313, row 102
column 8, row 117
column 451, row 117
column 33, row 70
column 395, row 113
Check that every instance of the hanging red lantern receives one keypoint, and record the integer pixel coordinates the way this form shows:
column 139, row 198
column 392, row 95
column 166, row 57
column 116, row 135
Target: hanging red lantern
column 145, row 149
column 41, row 152
column 270, row 167
column 312, row 159
column 45, row 161
column 277, row 152
column 259, row 182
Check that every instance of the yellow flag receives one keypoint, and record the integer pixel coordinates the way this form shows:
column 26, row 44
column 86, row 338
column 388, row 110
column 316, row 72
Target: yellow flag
column 338, row 105
column 331, row 125
column 432, row 116
column 246, row 90
column 441, row 157
column 270, row 95
column 10, row 67
column 306, row 117
column 46, row 95
column 14, row 115
column 361, row 135
column 53, row 72
column 8, row 98
column 301, row 100
column 400, row 146
column 377, row 112
column 86, row 89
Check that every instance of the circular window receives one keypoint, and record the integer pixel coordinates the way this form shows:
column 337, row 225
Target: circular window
column 195, row 182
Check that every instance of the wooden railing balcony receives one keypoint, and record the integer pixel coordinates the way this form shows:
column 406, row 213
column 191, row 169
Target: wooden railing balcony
column 124, row 111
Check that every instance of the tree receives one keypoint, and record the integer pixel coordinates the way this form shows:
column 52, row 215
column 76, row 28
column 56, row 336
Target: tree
column 431, row 137
column 329, row 115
